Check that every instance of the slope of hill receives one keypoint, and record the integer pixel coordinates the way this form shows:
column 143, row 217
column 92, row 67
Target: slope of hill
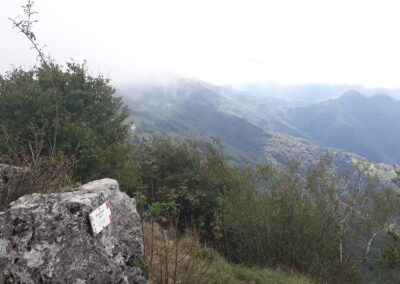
column 191, row 109
column 250, row 135
column 303, row 95
column 353, row 123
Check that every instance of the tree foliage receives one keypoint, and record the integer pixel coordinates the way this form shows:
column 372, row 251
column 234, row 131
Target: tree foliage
column 190, row 177
column 73, row 112
column 291, row 223
column 322, row 224
column 52, row 110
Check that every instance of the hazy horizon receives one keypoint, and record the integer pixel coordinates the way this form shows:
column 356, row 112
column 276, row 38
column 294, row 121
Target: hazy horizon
column 224, row 42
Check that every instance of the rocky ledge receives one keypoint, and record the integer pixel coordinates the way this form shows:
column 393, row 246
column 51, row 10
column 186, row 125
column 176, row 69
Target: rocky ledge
column 47, row 238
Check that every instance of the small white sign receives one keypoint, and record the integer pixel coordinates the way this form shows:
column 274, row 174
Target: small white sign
column 100, row 218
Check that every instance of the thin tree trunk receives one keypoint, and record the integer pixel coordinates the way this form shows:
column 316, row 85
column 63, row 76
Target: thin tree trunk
column 370, row 243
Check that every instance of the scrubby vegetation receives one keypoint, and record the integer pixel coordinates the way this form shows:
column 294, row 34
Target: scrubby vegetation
column 207, row 221
column 189, row 261
column 50, row 110
column 325, row 225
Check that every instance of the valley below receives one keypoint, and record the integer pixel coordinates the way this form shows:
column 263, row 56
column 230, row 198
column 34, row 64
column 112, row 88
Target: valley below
column 256, row 126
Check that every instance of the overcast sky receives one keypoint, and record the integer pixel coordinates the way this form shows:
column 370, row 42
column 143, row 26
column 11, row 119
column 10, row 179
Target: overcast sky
column 222, row 42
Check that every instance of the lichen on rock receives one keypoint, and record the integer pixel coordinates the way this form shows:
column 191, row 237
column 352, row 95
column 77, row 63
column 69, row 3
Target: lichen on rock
column 46, row 238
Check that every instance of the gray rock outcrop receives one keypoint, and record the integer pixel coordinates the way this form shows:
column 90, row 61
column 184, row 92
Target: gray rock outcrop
column 47, row 238
column 2, row 176
column 6, row 171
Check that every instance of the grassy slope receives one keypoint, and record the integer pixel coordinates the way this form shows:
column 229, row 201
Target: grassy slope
column 223, row 272
column 200, row 264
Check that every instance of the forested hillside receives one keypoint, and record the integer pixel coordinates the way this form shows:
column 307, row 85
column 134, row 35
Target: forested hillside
column 252, row 131
column 230, row 187
column 367, row 126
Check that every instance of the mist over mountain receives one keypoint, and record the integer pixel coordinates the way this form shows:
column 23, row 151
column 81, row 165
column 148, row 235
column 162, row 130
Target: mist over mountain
column 256, row 129
column 192, row 109
column 302, row 95
column 367, row 126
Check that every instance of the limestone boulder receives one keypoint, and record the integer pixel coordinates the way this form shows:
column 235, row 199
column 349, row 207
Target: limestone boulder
column 47, row 238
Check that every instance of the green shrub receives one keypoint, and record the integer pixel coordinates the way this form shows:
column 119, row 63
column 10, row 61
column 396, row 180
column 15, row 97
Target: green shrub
column 190, row 177
column 287, row 224
column 73, row 112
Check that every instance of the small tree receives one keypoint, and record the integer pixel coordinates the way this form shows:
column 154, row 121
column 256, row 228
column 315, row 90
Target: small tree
column 76, row 113
column 290, row 221
column 191, row 175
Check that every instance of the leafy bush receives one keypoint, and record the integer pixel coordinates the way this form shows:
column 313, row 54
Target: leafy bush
column 73, row 112
column 42, row 175
column 289, row 223
column 183, row 259
column 190, row 177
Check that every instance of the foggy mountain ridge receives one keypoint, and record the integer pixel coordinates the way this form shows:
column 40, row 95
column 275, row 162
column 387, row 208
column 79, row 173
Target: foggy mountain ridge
column 306, row 94
column 367, row 126
column 263, row 130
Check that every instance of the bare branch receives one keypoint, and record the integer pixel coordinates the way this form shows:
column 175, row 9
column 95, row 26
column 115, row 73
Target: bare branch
column 25, row 26
column 370, row 242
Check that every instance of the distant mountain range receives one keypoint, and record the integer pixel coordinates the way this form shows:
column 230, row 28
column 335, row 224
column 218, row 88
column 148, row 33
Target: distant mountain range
column 306, row 94
column 368, row 126
column 258, row 128
column 188, row 109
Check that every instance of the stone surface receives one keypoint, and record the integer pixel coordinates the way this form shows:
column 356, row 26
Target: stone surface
column 6, row 171
column 2, row 176
column 46, row 238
